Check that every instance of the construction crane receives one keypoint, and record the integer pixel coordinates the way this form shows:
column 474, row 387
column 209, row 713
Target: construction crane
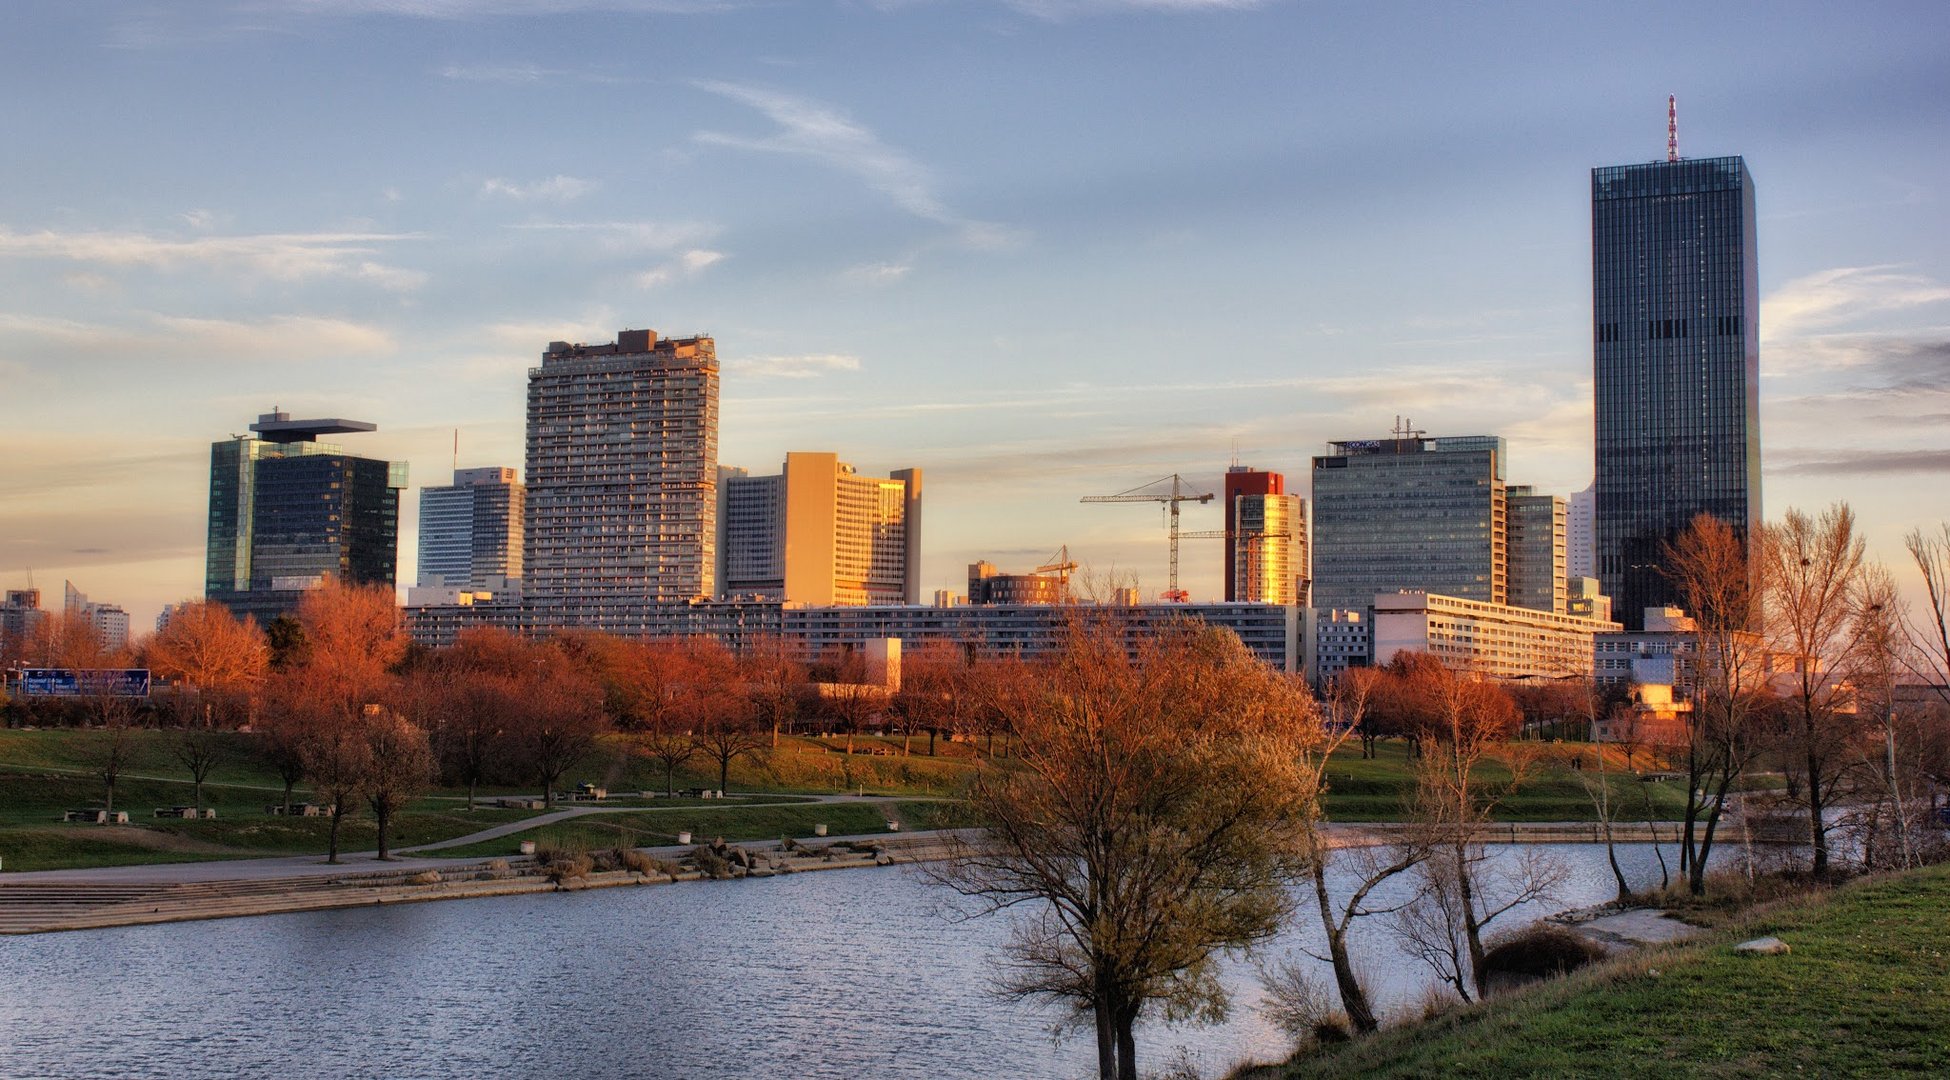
column 1061, row 565
column 1177, row 495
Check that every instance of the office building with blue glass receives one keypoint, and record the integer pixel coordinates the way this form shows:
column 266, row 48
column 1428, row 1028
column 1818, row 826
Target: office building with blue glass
column 1675, row 335
column 287, row 511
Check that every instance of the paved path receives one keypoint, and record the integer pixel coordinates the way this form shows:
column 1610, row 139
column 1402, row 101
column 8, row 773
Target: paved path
column 306, row 866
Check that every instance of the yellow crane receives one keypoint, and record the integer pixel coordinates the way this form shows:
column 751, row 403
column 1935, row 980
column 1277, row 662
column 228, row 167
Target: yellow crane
column 1170, row 499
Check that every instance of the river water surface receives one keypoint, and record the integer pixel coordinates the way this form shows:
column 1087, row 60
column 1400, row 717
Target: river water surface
column 844, row 974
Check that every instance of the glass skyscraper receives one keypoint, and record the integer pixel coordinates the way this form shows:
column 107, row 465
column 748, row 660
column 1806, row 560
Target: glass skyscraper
column 287, row 510
column 1675, row 305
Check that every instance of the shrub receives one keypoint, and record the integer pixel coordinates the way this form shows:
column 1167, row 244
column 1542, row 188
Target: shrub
column 606, row 860
column 427, row 877
column 567, row 867
column 1537, row 952
column 639, row 861
column 711, row 864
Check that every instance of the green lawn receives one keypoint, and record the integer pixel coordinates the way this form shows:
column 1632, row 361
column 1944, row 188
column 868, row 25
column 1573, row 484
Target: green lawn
column 1364, row 789
column 658, row 828
column 1865, row 992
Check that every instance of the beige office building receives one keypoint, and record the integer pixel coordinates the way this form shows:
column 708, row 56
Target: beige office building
column 1495, row 640
column 819, row 533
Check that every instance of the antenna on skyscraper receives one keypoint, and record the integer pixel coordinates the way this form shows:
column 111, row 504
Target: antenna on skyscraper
column 1672, row 127
column 456, row 449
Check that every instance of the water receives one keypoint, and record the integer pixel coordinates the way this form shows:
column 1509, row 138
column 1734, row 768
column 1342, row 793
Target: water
column 842, row 974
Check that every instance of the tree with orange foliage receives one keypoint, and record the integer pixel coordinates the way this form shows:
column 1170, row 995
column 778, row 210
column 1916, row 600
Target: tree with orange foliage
column 224, row 661
column 1159, row 811
column 556, row 720
column 398, row 765
column 726, row 720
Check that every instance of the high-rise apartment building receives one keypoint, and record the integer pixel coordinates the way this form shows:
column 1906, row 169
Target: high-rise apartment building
column 287, row 510
column 1409, row 512
column 1266, row 558
column 470, row 531
column 819, row 533
column 1675, row 307
column 622, row 478
column 1537, row 547
column 109, row 621
column 1580, row 536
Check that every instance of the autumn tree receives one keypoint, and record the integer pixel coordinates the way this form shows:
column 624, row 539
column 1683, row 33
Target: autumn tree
column 399, row 765
column 1811, row 573
column 1708, row 566
column 1157, row 810
column 938, row 690
column 558, row 717
column 726, row 722
column 222, row 660
column 331, row 746
column 774, row 680
column 201, row 750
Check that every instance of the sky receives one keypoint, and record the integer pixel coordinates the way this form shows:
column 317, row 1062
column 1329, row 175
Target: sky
column 1041, row 249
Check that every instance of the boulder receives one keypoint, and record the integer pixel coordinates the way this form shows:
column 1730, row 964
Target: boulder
column 1767, row 946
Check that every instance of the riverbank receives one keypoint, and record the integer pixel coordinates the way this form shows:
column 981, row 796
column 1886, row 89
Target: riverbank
column 51, row 900
column 1863, row 990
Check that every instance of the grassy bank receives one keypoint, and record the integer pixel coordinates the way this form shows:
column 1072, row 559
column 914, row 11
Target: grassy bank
column 1865, row 992
column 656, row 828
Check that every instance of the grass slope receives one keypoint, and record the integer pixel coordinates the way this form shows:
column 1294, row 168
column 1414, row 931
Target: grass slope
column 1865, row 992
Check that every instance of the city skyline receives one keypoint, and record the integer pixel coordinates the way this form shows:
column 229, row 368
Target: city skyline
column 916, row 260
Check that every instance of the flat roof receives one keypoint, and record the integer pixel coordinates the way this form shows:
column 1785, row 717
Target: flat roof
column 285, row 431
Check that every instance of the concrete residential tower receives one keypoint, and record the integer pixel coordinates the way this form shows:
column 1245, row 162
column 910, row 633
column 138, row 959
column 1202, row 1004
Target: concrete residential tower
column 622, row 478
column 1675, row 331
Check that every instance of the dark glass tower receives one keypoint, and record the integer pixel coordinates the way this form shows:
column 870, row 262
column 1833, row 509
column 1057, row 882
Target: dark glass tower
column 286, row 510
column 1675, row 305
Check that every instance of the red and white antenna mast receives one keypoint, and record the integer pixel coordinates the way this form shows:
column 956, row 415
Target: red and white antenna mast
column 1672, row 127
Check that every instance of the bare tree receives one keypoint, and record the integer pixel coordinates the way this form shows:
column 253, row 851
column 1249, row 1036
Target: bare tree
column 337, row 759
column 774, row 680
column 727, row 723
column 114, row 744
column 1348, row 698
column 1158, row 811
column 1811, row 570
column 399, row 766
column 1709, row 567
column 201, row 750
column 1465, row 720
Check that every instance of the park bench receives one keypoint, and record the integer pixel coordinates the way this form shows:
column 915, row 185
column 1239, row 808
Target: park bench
column 303, row 809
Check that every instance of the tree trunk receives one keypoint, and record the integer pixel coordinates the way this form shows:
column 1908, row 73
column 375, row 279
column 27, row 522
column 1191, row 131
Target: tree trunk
column 288, row 783
column 1354, row 999
column 724, row 773
column 199, row 796
column 670, row 785
column 1106, row 1044
column 1817, row 834
column 332, row 845
column 1127, row 1044
column 384, row 815
column 470, row 793
column 932, row 732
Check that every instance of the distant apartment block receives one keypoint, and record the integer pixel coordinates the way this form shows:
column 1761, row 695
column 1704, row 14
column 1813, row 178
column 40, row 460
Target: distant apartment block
column 820, row 533
column 1266, row 555
column 110, row 622
column 287, row 510
column 989, row 585
column 20, row 614
column 622, row 470
column 471, row 531
column 1270, row 631
column 1493, row 640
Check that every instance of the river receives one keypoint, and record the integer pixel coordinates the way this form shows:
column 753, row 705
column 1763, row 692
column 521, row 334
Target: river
column 845, row 974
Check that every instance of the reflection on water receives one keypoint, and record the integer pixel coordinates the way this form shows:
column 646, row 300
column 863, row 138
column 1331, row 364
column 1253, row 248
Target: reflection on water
column 842, row 974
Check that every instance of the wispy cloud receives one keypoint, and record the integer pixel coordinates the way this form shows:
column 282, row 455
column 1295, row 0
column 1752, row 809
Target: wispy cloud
column 279, row 256
column 822, row 133
column 804, row 366
column 1842, row 296
column 556, row 188
column 150, row 336
column 879, row 273
column 1866, row 463
column 1059, row 10
column 473, row 9
column 629, row 237
column 689, row 264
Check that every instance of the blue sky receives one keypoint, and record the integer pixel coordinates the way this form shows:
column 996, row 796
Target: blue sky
column 1041, row 249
